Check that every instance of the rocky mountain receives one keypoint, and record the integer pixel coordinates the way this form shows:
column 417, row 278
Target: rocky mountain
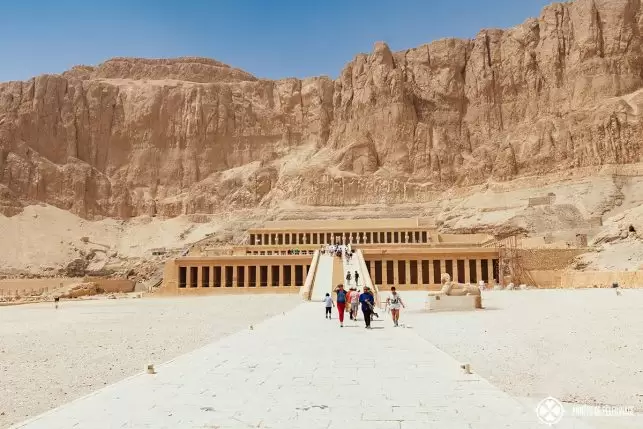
column 190, row 135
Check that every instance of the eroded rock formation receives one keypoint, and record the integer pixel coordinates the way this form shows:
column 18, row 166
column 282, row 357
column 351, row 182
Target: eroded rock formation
column 188, row 135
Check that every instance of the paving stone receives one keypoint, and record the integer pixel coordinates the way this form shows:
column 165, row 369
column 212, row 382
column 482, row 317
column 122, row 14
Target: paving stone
column 300, row 371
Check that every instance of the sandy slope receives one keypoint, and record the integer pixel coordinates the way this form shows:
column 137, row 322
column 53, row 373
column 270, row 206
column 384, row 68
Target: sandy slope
column 44, row 238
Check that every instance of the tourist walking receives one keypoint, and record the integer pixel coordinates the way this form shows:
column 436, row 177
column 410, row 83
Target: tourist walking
column 348, row 277
column 328, row 302
column 394, row 303
column 368, row 303
column 354, row 301
column 341, row 303
column 356, row 278
column 349, row 294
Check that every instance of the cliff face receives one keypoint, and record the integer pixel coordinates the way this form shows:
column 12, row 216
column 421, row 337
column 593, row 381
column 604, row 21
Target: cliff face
column 187, row 135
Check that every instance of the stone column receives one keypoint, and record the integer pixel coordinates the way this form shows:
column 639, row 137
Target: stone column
column 490, row 272
column 443, row 268
column 199, row 276
column 419, row 273
column 188, row 277
column 384, row 273
column 269, row 276
column 235, row 278
column 408, row 272
column 211, row 276
column 292, row 275
column 224, row 277
column 431, row 273
column 479, row 269
column 396, row 272
column 281, row 276
column 467, row 271
column 246, row 276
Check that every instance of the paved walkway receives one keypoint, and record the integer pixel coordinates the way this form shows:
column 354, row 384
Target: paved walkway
column 300, row 370
column 323, row 278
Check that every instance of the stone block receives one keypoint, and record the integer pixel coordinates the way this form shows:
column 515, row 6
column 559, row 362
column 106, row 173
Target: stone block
column 453, row 303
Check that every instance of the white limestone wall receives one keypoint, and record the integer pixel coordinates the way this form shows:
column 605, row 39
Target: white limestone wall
column 323, row 278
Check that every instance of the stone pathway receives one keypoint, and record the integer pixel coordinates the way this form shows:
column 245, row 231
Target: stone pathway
column 300, row 370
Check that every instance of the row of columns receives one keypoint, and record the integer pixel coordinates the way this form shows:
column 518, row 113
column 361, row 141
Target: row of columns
column 370, row 237
column 431, row 277
column 230, row 274
column 277, row 252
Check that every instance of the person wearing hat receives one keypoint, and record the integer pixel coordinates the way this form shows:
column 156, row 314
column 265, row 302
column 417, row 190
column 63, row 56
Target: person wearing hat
column 368, row 303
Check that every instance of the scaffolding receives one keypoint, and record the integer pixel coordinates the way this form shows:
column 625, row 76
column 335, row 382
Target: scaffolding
column 511, row 263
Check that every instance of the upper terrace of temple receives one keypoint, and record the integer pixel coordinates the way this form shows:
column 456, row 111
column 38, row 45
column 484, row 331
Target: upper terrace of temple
column 359, row 231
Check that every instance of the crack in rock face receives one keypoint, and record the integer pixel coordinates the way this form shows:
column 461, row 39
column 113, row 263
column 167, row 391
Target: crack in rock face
column 321, row 407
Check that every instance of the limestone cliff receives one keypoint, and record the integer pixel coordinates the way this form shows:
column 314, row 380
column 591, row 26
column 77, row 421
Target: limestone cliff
column 187, row 135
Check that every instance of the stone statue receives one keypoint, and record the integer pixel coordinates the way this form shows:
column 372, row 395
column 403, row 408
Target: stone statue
column 454, row 289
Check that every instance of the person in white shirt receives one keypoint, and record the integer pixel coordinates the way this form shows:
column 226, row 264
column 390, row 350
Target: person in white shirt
column 355, row 303
column 394, row 303
column 329, row 304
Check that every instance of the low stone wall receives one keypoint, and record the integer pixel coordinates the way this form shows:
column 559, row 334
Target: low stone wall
column 27, row 287
column 548, row 259
column 113, row 285
column 577, row 279
column 546, row 279
column 586, row 279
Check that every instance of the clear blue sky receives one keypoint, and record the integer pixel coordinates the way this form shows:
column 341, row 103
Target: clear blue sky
column 269, row 38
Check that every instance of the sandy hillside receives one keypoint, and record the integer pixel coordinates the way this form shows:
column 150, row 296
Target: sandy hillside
column 42, row 239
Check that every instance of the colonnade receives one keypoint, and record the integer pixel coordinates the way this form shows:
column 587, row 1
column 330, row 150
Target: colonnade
column 417, row 272
column 342, row 237
column 213, row 276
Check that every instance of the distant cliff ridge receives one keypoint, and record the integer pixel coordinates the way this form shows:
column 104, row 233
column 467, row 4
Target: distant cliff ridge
column 139, row 136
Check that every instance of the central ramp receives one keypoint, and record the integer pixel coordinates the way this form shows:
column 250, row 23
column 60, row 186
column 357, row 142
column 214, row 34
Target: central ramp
column 358, row 264
column 323, row 282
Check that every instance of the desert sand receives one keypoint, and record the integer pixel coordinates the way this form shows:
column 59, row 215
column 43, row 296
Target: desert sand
column 581, row 346
column 49, row 357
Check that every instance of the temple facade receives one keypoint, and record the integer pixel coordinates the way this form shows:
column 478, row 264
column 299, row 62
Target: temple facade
column 283, row 257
